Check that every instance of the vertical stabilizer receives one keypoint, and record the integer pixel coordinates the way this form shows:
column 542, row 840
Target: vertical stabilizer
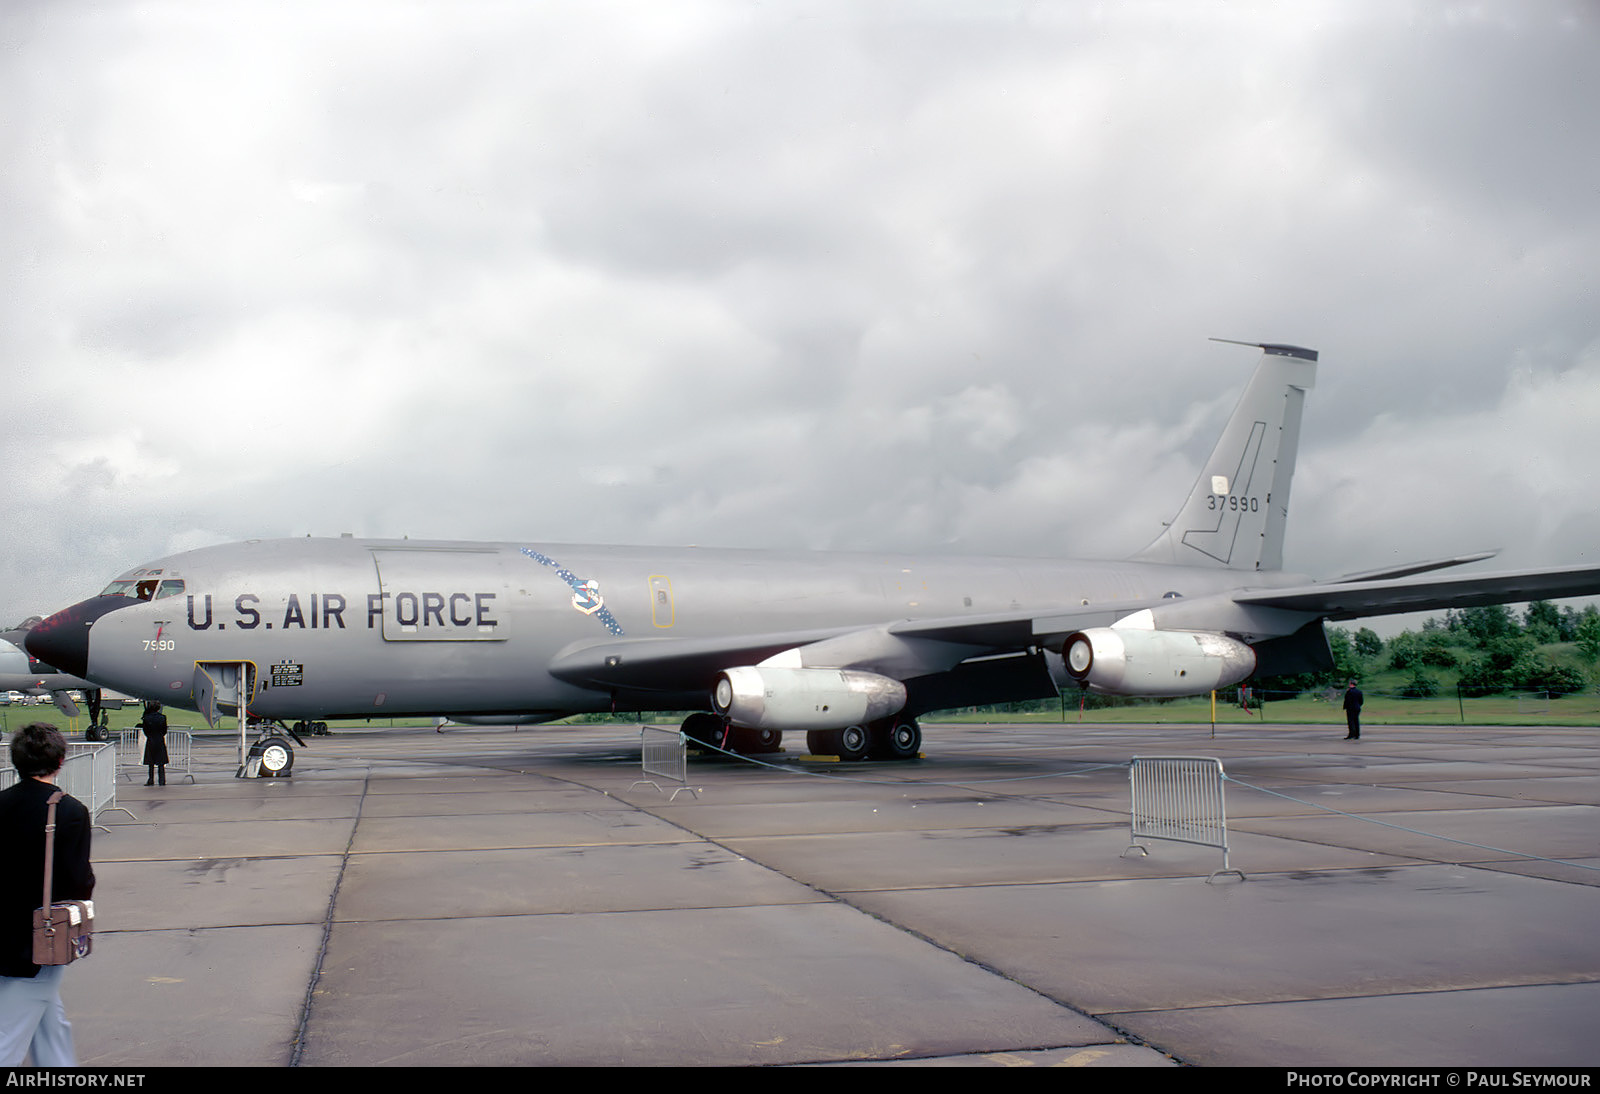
column 1235, row 516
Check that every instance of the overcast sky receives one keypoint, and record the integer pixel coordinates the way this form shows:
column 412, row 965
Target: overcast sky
column 921, row 276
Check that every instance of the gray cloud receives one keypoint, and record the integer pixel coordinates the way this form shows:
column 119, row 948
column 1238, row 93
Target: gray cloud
column 912, row 277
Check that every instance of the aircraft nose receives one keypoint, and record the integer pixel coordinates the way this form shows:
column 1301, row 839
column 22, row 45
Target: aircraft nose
column 62, row 641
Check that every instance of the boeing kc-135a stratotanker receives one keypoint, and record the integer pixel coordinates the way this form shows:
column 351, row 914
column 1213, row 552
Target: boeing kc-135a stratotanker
column 850, row 648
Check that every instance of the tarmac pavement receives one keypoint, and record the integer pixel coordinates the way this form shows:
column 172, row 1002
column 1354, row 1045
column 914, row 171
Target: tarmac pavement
column 490, row 896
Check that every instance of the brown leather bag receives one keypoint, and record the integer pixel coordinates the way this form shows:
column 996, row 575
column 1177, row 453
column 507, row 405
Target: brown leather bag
column 63, row 931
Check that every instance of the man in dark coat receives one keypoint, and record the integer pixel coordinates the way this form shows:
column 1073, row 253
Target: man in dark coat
column 31, row 1016
column 154, row 724
column 1352, row 711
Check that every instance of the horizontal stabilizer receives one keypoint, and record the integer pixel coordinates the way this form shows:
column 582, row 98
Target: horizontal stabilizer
column 1355, row 599
column 1412, row 568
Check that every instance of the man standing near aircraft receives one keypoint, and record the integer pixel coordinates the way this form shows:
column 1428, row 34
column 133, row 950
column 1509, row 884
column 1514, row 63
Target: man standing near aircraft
column 1352, row 711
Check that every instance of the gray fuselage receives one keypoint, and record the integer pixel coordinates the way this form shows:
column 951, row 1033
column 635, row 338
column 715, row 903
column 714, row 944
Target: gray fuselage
column 374, row 628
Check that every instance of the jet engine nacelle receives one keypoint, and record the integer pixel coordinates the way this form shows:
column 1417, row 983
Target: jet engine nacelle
column 1144, row 662
column 768, row 697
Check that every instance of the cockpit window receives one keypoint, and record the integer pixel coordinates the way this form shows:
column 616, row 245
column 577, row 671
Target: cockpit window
column 148, row 588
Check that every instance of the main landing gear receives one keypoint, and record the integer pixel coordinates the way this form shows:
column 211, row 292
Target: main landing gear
column 896, row 738
column 714, row 731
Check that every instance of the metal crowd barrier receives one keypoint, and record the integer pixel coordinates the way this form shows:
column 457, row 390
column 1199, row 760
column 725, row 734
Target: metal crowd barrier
column 90, row 775
column 128, row 753
column 1179, row 798
column 180, row 753
column 664, row 754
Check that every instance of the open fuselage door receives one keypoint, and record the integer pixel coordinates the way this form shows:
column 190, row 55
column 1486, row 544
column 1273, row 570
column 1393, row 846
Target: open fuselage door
column 222, row 688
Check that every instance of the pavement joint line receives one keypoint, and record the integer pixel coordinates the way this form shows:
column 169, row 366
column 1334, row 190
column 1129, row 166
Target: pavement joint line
column 521, row 847
column 552, row 913
column 1175, row 875
column 1412, row 831
column 327, row 931
column 1348, row 997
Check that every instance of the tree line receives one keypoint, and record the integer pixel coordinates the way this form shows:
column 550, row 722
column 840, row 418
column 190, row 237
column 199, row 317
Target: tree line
column 1491, row 649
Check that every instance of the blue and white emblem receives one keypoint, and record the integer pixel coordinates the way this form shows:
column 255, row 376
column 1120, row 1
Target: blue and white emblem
column 585, row 591
column 586, row 597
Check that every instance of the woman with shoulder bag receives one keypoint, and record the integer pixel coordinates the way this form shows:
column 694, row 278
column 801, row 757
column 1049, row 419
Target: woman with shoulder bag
column 32, row 1019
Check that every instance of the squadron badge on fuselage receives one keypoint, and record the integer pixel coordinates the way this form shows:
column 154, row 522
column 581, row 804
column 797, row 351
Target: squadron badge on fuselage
column 585, row 592
column 587, row 599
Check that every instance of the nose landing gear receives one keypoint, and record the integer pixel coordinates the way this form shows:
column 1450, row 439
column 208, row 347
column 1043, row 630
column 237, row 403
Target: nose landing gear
column 272, row 756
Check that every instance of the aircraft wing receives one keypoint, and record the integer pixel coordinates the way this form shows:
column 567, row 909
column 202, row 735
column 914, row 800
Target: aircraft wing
column 1355, row 599
column 909, row 648
column 903, row 649
column 664, row 664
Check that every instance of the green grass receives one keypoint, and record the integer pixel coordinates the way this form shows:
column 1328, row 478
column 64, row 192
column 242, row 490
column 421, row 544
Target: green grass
column 1574, row 710
column 13, row 717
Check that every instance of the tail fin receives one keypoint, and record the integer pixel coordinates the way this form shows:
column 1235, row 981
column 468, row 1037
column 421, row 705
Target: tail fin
column 1235, row 516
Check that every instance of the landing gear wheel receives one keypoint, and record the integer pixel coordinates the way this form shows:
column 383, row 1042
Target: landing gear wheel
column 854, row 743
column 898, row 739
column 706, row 729
column 277, row 758
column 822, row 742
column 753, row 742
